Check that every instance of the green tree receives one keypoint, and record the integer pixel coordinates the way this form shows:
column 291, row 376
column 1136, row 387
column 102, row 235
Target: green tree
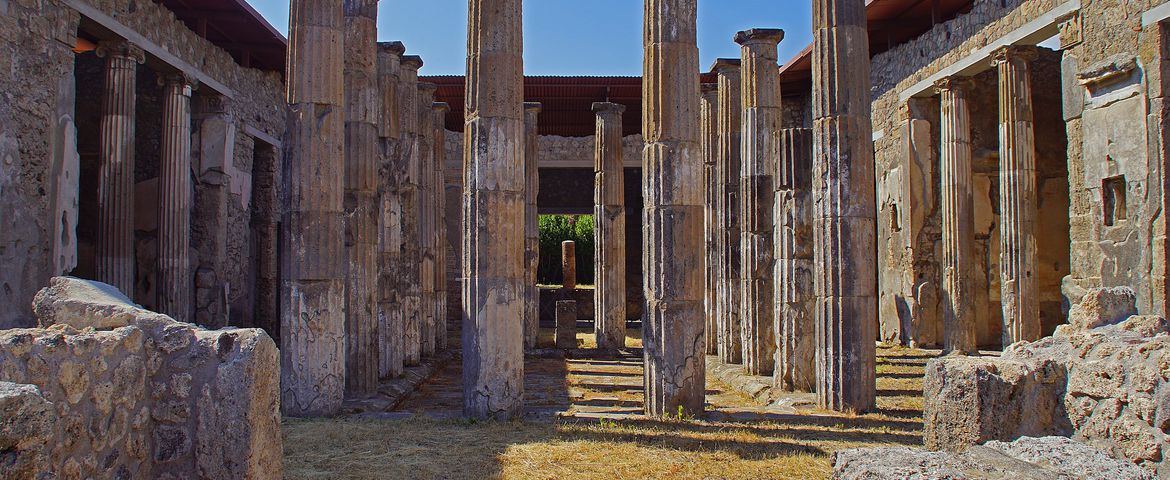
column 555, row 229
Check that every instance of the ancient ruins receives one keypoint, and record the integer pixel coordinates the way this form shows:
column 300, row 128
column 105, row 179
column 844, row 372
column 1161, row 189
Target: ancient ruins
column 942, row 217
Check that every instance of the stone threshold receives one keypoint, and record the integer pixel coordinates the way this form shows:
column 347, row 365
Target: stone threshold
column 392, row 392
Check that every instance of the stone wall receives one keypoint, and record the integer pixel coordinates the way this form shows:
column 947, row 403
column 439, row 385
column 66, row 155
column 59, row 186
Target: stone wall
column 137, row 395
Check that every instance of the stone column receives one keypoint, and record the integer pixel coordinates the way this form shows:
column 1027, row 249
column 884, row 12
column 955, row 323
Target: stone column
column 313, row 342
column 428, row 229
column 410, row 159
column 391, row 325
column 439, row 144
column 843, row 198
column 362, row 111
column 175, row 281
column 760, row 149
column 569, row 264
column 1017, row 196
column 958, row 216
column 531, row 224
column 566, row 334
column 115, row 240
column 493, row 251
column 795, row 343
column 609, row 246
column 673, row 219
column 728, row 168
column 709, row 136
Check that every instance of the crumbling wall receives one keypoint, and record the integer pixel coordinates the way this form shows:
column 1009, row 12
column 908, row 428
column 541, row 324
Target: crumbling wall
column 137, row 395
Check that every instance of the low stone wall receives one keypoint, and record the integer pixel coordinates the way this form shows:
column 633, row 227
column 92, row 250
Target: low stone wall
column 146, row 396
column 1108, row 386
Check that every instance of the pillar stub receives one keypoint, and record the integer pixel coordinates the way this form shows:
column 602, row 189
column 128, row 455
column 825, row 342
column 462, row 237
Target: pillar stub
column 121, row 48
column 724, row 64
column 413, row 62
column 1009, row 53
column 954, row 84
column 759, row 35
column 608, row 108
column 396, row 48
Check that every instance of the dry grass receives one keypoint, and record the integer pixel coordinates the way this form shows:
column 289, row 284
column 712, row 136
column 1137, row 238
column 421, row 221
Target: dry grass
column 756, row 444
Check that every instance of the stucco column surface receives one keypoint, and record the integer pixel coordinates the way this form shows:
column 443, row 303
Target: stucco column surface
column 709, row 136
column 958, row 216
column 176, row 287
column 728, row 165
column 531, row 224
column 391, row 324
column 609, row 213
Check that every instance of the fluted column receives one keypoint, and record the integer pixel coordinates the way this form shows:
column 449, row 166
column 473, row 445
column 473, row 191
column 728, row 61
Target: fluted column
column 843, row 196
column 709, row 136
column 1017, row 196
column 760, row 150
column 531, row 223
column 673, row 219
column 175, row 281
column 728, row 166
column 391, row 174
column 609, row 213
column 439, row 145
column 958, row 216
column 410, row 158
column 362, row 111
column 428, row 229
column 795, row 298
column 493, row 252
column 115, row 242
column 313, row 341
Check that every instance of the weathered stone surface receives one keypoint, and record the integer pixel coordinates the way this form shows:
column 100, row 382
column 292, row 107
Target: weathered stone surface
column 83, row 303
column 409, row 166
column 795, row 298
column 531, row 224
column 709, row 137
column 609, row 215
column 27, row 422
column 1103, row 306
column 569, row 264
column 566, row 335
column 175, row 285
column 442, row 272
column 728, row 163
column 428, row 226
column 392, row 262
column 958, row 217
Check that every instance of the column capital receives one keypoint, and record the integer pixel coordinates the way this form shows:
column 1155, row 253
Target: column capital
column 441, row 107
column 121, row 49
column 608, row 108
column 723, row 66
column 759, row 36
column 395, row 48
column 413, row 62
column 182, row 79
column 1010, row 53
column 709, row 89
column 212, row 103
column 954, row 84
column 427, row 88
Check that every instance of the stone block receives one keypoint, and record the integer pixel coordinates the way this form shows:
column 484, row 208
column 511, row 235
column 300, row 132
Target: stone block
column 86, row 303
column 567, row 324
column 1103, row 306
column 27, row 423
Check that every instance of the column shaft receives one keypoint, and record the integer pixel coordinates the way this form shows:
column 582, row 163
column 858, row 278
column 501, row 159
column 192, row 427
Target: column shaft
column 795, row 299
column 115, row 242
column 609, row 213
column 493, row 206
column 760, row 150
column 958, row 217
column 428, row 229
column 391, row 174
column 410, row 158
column 673, row 219
column 531, row 224
column 843, row 198
column 175, row 281
column 1017, row 197
column 313, row 341
column 730, row 335
column 439, row 143
column 709, row 136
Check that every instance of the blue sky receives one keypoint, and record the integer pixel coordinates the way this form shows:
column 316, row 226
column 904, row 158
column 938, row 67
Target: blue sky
column 572, row 37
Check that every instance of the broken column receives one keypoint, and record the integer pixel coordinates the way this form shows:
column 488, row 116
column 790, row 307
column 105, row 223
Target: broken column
column 391, row 325
column 428, row 229
column 609, row 257
column 569, row 264
column 410, row 160
column 843, row 198
column 439, row 145
column 1017, row 196
column 673, row 334
column 566, row 334
column 958, row 216
column 531, row 224
column 493, row 253
column 709, row 136
column 361, row 196
column 175, row 282
column 728, row 167
column 115, row 239
column 795, row 299
column 760, row 149
column 313, row 341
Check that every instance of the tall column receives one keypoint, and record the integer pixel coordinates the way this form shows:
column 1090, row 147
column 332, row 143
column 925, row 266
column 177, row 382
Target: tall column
column 531, row 223
column 609, row 215
column 439, row 145
column 312, row 329
column 362, row 110
column 410, row 159
column 845, row 218
column 115, row 242
column 175, row 281
column 709, row 136
column 795, row 344
column 1017, row 196
column 391, row 325
column 673, row 219
column 760, row 149
column 428, row 229
column 493, row 206
column 728, row 167
column 958, row 216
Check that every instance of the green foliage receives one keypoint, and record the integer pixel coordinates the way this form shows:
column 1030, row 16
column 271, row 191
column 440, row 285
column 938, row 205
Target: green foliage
column 555, row 229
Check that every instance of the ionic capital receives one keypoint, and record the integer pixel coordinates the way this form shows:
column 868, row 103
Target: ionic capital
column 1013, row 53
column 120, row 49
column 958, row 85
column 759, row 37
